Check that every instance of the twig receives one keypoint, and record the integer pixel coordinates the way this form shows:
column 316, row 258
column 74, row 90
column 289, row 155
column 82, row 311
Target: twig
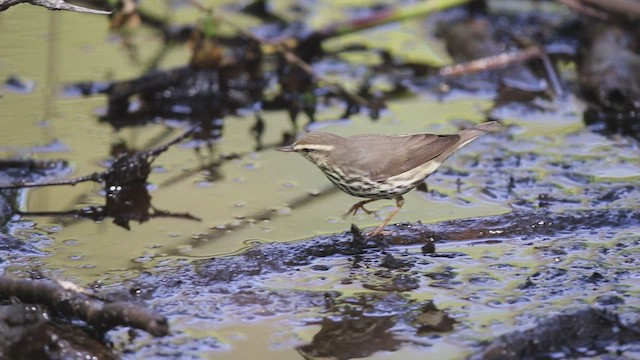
column 162, row 148
column 386, row 16
column 52, row 5
column 503, row 60
column 96, row 177
column 627, row 8
column 579, row 7
column 491, row 62
column 552, row 74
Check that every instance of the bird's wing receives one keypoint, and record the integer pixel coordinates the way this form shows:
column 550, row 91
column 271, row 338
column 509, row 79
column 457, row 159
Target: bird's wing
column 383, row 156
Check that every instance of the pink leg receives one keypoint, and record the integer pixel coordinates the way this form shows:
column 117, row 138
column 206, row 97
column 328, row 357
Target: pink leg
column 399, row 203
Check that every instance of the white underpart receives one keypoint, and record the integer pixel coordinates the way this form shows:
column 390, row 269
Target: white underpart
column 416, row 174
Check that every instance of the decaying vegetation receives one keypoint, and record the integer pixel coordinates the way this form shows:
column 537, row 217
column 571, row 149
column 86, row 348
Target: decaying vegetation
column 535, row 60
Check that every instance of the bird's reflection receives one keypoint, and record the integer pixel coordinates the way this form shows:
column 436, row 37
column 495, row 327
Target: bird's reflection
column 352, row 337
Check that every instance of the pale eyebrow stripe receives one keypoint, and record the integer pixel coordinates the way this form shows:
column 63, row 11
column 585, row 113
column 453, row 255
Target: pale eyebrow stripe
column 314, row 147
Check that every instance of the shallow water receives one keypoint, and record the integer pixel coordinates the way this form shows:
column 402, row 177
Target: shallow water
column 253, row 184
column 551, row 160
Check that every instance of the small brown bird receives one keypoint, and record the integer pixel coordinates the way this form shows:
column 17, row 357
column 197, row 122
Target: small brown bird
column 379, row 167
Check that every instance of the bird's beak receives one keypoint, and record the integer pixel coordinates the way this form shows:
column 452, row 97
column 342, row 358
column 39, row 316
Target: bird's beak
column 286, row 149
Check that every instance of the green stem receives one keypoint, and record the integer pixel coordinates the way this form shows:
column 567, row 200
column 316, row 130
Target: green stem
column 387, row 16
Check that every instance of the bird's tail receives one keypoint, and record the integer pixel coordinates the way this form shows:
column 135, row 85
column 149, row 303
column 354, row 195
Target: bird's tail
column 468, row 135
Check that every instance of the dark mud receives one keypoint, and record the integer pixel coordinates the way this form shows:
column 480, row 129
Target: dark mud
column 28, row 332
column 510, row 286
column 527, row 226
column 269, row 281
column 570, row 241
column 585, row 333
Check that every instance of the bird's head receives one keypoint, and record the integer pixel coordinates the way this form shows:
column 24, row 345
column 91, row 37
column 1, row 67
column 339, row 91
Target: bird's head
column 315, row 146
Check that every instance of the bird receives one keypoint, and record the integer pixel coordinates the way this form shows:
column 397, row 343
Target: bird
column 377, row 166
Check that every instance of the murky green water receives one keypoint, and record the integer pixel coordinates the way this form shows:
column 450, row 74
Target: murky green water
column 255, row 183
column 46, row 125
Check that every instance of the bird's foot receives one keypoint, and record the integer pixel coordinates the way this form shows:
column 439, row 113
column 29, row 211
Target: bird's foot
column 379, row 231
column 354, row 209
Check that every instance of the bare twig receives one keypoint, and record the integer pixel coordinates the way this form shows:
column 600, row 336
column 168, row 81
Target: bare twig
column 604, row 10
column 579, row 7
column 626, row 8
column 491, row 62
column 552, row 74
column 503, row 60
column 52, row 5
column 96, row 177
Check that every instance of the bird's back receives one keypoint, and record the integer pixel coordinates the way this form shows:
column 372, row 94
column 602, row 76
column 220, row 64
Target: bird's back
column 384, row 156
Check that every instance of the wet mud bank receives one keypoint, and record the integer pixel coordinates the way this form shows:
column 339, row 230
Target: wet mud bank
column 394, row 292
column 528, row 245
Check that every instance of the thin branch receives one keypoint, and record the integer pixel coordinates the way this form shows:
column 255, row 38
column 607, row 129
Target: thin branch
column 491, row 62
column 505, row 59
column 96, row 177
column 579, row 7
column 627, row 8
column 52, row 5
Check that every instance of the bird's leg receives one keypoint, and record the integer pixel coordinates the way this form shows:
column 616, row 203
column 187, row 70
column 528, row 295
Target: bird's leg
column 359, row 205
column 399, row 203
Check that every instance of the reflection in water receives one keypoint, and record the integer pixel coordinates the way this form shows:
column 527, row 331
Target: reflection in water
column 23, row 170
column 123, row 204
column 127, row 197
column 352, row 337
column 372, row 322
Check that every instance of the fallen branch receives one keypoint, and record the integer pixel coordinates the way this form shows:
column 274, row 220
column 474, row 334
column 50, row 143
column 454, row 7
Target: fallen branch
column 69, row 300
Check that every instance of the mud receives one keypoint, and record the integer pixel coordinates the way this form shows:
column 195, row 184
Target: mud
column 585, row 333
column 533, row 262
column 29, row 333
column 503, row 248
